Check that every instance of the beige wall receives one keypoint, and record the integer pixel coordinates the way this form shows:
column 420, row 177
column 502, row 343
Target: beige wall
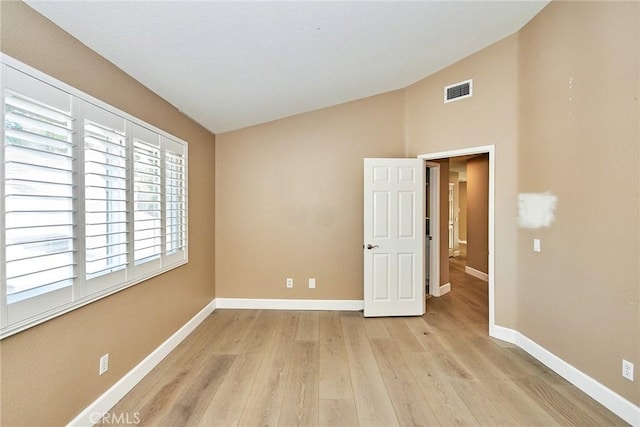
column 49, row 373
column 289, row 199
column 579, row 140
column 478, row 213
column 462, row 202
column 489, row 117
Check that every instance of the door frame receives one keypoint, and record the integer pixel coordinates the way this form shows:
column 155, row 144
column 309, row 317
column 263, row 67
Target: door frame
column 452, row 220
column 434, row 218
column 435, row 225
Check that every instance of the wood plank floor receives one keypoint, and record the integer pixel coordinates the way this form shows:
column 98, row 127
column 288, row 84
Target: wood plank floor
column 286, row 368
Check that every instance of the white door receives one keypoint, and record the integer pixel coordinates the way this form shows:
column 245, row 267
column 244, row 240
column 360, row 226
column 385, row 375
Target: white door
column 394, row 235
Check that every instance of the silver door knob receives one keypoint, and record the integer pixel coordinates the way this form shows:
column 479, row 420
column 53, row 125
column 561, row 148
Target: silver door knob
column 370, row 246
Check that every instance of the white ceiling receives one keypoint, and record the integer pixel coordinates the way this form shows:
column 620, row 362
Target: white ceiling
column 232, row 64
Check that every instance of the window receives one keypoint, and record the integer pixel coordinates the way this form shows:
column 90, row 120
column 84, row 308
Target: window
column 93, row 200
column 38, row 177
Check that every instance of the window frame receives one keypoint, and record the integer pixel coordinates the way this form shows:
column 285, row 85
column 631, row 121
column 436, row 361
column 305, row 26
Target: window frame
column 49, row 305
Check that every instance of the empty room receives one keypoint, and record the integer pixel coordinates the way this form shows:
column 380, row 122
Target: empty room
column 266, row 213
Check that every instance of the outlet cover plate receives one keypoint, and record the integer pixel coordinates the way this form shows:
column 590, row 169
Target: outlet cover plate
column 627, row 370
column 104, row 364
column 536, row 245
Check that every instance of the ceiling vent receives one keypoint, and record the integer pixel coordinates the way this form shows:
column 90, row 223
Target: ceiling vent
column 458, row 91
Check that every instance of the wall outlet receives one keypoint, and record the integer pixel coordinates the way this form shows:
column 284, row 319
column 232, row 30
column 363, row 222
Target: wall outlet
column 536, row 245
column 627, row 369
column 312, row 283
column 289, row 282
column 104, row 364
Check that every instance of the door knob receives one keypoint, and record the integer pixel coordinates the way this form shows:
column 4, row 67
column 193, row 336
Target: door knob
column 370, row 246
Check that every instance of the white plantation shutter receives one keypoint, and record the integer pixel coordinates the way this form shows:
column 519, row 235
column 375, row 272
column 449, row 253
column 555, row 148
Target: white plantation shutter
column 147, row 196
column 176, row 199
column 92, row 200
column 38, row 179
column 105, row 192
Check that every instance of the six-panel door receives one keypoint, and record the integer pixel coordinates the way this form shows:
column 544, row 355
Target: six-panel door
column 394, row 237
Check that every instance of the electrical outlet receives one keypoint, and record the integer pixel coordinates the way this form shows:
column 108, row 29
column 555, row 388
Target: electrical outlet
column 104, row 364
column 312, row 283
column 289, row 283
column 536, row 245
column 627, row 369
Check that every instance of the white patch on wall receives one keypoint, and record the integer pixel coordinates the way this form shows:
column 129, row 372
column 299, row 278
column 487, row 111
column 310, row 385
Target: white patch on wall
column 536, row 210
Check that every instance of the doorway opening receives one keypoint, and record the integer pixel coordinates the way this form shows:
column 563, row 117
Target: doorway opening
column 468, row 214
column 439, row 232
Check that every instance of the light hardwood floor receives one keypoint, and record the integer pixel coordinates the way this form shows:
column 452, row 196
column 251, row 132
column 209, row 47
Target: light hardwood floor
column 259, row 368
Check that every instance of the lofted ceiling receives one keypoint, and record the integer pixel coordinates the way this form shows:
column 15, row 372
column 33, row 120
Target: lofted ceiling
column 232, row 64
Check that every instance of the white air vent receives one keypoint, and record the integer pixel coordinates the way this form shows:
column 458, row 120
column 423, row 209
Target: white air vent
column 458, row 91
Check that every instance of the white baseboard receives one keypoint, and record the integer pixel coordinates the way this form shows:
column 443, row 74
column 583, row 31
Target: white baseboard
column 617, row 404
column 443, row 289
column 290, row 304
column 94, row 412
column 502, row 333
column 476, row 273
column 464, row 242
